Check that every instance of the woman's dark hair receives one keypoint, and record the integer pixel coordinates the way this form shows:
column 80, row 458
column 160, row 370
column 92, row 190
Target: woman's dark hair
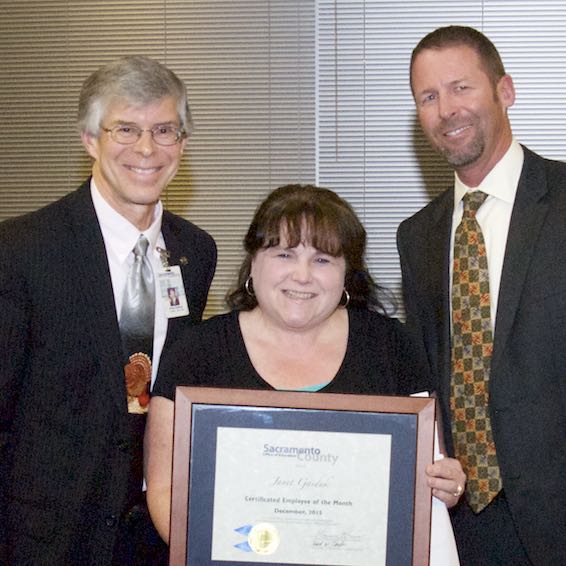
column 323, row 219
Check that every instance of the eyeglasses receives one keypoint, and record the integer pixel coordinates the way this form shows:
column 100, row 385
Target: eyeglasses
column 161, row 135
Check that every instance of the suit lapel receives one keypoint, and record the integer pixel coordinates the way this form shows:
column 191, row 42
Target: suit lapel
column 527, row 218
column 439, row 265
column 180, row 254
column 94, row 275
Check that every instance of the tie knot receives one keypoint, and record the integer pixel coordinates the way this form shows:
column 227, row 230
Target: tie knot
column 472, row 202
column 140, row 248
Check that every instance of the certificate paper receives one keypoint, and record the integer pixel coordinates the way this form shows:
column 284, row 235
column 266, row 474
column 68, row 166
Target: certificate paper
column 301, row 497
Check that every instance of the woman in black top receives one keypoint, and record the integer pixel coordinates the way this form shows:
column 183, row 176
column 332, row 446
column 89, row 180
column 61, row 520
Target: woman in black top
column 305, row 317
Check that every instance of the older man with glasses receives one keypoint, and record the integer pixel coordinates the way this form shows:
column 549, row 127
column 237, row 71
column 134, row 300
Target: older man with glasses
column 85, row 316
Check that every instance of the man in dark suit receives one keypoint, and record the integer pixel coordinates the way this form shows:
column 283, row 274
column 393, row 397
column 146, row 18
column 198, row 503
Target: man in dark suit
column 71, row 429
column 462, row 94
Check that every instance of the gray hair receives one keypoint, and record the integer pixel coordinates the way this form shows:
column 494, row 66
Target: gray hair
column 135, row 79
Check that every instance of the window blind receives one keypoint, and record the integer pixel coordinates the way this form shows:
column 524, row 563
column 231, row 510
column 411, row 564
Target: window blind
column 281, row 91
column 371, row 149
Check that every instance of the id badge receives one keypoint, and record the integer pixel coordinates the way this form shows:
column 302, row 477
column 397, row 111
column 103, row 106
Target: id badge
column 172, row 292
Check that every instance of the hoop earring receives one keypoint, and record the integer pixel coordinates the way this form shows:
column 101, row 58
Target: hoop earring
column 345, row 292
column 249, row 290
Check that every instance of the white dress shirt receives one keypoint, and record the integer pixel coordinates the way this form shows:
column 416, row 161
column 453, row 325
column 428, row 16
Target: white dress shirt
column 120, row 237
column 494, row 215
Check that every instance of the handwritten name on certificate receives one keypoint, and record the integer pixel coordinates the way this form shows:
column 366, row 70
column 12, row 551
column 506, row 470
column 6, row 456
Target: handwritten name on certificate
column 301, row 497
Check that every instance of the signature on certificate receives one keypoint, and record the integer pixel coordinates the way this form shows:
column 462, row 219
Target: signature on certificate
column 338, row 540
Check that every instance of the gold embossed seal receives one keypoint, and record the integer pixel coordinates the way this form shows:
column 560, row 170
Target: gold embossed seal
column 264, row 538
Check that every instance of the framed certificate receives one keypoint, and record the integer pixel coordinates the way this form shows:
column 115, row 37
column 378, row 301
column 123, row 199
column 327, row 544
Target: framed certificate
column 273, row 477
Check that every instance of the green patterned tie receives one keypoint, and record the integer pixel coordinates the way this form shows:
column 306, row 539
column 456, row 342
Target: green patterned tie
column 472, row 346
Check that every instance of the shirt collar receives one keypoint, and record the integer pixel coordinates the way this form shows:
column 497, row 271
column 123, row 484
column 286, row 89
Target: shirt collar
column 501, row 182
column 119, row 233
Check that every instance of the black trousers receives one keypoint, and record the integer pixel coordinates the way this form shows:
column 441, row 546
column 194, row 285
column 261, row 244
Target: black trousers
column 488, row 538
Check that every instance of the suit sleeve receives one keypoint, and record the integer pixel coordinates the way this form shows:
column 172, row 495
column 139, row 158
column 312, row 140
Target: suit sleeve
column 413, row 326
column 14, row 336
column 210, row 256
column 200, row 270
column 413, row 374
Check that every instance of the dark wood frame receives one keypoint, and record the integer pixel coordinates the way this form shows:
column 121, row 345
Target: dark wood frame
column 423, row 408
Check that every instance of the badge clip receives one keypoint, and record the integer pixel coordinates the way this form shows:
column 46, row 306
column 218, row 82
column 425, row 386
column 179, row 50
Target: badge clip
column 164, row 256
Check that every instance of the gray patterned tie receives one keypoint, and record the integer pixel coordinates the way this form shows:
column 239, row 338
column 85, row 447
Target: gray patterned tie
column 136, row 328
column 138, row 305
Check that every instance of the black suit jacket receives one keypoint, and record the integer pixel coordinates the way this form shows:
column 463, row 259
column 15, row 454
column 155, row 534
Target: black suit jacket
column 64, row 437
column 528, row 376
